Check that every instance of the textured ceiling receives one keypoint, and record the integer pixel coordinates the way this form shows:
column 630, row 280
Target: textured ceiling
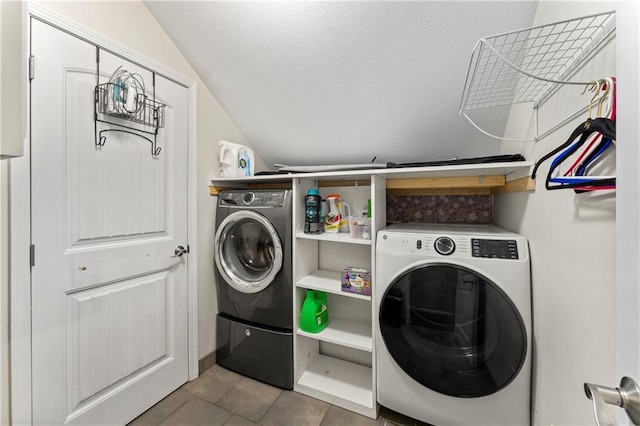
column 313, row 83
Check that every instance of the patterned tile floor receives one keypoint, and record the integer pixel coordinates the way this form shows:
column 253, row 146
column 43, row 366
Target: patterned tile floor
column 222, row 397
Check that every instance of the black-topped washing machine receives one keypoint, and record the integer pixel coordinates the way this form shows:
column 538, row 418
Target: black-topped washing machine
column 255, row 284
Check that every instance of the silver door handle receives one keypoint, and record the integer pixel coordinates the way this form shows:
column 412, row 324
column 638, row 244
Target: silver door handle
column 626, row 396
column 179, row 251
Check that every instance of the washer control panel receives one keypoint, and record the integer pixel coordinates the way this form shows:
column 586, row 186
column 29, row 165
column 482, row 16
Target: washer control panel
column 452, row 245
column 497, row 249
column 233, row 198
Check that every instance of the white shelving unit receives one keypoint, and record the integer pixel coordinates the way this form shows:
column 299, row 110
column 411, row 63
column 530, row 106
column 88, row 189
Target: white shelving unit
column 340, row 238
column 341, row 383
column 346, row 332
column 337, row 365
column 328, row 281
column 510, row 170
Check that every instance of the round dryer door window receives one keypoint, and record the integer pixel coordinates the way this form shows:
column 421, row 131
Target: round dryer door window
column 248, row 252
column 453, row 330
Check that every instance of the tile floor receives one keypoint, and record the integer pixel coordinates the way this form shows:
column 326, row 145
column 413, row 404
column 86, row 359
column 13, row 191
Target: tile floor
column 222, row 397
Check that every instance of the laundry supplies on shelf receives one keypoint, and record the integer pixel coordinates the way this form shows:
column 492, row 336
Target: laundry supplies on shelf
column 356, row 280
column 360, row 227
column 312, row 211
column 235, row 160
column 337, row 220
column 314, row 316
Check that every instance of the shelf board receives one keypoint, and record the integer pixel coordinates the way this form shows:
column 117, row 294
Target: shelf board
column 436, row 179
column 344, row 332
column 341, row 383
column 342, row 237
column 328, row 281
column 483, row 169
column 215, row 189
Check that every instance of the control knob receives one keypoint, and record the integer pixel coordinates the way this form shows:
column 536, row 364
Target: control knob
column 444, row 246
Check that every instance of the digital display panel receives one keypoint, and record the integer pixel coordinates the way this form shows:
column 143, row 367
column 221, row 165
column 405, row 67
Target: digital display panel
column 499, row 249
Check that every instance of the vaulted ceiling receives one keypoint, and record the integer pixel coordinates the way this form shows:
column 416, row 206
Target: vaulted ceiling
column 312, row 83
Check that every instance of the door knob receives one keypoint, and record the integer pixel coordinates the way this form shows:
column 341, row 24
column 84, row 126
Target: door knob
column 626, row 396
column 179, row 251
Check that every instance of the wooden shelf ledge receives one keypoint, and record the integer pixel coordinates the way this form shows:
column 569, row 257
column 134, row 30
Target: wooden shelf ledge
column 438, row 191
column 460, row 185
column 215, row 189
column 525, row 184
column 447, row 182
column 479, row 179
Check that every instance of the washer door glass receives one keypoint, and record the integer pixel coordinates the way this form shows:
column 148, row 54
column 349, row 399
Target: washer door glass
column 453, row 330
column 248, row 251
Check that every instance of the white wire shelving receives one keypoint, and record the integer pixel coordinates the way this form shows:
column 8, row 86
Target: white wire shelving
column 528, row 65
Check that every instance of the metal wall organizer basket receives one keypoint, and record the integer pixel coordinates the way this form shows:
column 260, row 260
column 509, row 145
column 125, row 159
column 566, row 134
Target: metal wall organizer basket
column 124, row 98
column 147, row 111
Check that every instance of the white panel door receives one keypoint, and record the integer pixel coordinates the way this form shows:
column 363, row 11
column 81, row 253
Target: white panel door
column 109, row 302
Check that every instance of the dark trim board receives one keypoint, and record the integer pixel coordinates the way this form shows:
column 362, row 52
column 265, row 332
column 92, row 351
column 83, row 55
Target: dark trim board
column 206, row 362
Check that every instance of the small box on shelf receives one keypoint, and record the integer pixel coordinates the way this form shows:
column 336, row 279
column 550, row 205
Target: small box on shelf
column 360, row 227
column 356, row 280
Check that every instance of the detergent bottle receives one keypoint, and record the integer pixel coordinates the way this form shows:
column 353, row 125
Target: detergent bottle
column 235, row 160
column 333, row 217
column 312, row 204
column 345, row 212
column 314, row 316
column 337, row 220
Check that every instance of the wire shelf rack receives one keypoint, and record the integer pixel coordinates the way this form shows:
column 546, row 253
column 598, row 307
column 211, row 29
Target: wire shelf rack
column 526, row 65
column 144, row 110
column 125, row 99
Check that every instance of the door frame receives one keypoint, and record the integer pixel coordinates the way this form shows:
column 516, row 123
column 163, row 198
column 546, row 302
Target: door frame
column 628, row 202
column 20, row 214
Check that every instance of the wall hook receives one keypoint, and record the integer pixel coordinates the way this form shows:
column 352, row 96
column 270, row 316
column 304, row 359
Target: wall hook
column 100, row 140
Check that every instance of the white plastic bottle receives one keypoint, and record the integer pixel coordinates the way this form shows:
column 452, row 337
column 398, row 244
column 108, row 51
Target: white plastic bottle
column 235, row 160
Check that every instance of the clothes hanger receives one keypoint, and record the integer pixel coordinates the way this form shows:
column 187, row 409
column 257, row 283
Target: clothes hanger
column 602, row 146
column 595, row 87
column 591, row 125
column 591, row 131
column 602, row 125
column 608, row 101
column 580, row 183
column 610, row 112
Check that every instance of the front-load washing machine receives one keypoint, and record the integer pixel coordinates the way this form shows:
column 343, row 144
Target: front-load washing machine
column 453, row 329
column 254, row 284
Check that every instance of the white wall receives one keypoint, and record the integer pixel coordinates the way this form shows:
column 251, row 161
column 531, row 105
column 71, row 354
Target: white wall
column 572, row 243
column 131, row 25
column 11, row 79
column 10, row 138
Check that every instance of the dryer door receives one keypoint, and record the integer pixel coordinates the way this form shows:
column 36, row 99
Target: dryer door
column 248, row 251
column 453, row 330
